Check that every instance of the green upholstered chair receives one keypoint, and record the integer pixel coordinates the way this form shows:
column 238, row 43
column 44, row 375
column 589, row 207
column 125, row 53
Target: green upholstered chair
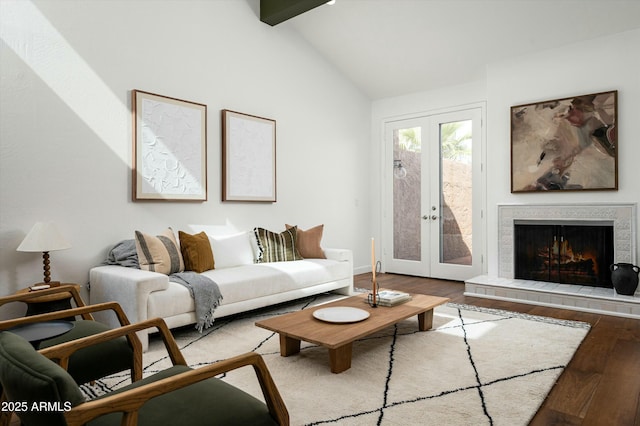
column 94, row 362
column 178, row 395
column 29, row 378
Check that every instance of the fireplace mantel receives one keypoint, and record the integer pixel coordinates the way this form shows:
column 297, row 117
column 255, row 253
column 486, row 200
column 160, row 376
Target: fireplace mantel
column 585, row 298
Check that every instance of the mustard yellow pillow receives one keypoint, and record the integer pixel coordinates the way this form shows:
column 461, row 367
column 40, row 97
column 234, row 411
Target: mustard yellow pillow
column 196, row 252
column 308, row 242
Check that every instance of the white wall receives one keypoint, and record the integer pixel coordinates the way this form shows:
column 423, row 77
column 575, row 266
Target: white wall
column 67, row 69
column 603, row 64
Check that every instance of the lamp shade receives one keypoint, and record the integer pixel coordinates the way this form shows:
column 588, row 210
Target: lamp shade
column 44, row 236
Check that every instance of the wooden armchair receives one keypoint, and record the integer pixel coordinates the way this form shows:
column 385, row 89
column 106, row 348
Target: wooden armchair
column 90, row 363
column 178, row 395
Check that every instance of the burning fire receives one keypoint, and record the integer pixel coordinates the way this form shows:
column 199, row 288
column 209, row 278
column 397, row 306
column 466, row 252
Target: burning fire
column 561, row 253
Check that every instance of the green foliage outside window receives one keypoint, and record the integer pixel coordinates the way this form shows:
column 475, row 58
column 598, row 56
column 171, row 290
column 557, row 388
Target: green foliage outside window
column 455, row 136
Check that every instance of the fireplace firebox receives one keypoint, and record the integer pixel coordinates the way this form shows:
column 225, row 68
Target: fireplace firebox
column 568, row 252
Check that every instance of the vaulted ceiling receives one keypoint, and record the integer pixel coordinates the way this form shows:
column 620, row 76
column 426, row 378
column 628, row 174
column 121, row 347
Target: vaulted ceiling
column 394, row 47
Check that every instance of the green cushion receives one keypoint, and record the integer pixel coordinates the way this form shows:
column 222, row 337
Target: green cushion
column 96, row 361
column 27, row 376
column 209, row 402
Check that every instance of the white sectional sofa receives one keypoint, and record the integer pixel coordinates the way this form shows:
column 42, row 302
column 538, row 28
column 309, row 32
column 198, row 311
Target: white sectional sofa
column 145, row 294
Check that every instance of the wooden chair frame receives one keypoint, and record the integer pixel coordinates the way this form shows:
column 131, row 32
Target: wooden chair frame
column 85, row 313
column 64, row 288
column 81, row 309
column 130, row 401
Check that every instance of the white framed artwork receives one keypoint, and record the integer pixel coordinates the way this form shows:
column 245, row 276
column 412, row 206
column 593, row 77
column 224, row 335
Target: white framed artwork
column 169, row 148
column 248, row 157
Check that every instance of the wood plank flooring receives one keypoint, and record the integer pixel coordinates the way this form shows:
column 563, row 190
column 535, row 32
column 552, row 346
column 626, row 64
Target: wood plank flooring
column 601, row 384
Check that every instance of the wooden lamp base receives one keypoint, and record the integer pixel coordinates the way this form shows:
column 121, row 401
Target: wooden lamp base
column 47, row 272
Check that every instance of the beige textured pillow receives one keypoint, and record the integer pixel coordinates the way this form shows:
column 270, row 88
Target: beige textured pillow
column 159, row 253
column 196, row 252
column 308, row 242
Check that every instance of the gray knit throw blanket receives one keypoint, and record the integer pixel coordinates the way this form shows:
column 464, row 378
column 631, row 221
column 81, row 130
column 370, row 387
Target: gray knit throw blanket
column 206, row 295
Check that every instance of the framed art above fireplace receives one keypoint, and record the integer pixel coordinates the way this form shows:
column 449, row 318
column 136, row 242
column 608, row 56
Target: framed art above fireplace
column 568, row 144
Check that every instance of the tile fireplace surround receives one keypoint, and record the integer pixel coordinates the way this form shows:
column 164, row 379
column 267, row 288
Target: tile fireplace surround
column 567, row 296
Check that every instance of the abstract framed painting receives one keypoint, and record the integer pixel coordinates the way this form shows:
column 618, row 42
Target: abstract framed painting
column 169, row 148
column 248, row 157
column 567, row 144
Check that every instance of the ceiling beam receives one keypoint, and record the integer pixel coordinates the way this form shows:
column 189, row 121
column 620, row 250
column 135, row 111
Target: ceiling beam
column 273, row 12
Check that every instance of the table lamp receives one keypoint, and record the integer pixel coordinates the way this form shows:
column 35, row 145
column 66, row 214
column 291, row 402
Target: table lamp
column 44, row 237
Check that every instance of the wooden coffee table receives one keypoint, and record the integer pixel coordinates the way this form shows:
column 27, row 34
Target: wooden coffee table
column 339, row 337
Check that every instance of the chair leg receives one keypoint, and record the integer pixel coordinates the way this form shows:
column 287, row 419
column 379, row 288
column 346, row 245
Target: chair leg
column 136, row 375
column 136, row 370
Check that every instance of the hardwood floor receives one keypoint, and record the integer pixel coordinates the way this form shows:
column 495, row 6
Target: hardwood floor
column 601, row 384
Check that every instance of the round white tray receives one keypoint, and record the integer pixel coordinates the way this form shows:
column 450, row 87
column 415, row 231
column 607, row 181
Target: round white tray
column 341, row 314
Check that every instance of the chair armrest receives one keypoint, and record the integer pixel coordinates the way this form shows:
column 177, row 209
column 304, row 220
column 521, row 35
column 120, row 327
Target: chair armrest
column 341, row 255
column 84, row 311
column 130, row 287
column 130, row 401
column 63, row 351
column 64, row 288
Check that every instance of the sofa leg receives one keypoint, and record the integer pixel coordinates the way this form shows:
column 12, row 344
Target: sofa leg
column 347, row 291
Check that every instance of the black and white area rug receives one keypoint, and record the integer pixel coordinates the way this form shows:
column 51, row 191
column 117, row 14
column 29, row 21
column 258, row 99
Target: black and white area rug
column 476, row 366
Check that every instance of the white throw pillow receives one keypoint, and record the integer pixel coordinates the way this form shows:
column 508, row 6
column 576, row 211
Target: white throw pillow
column 215, row 230
column 233, row 250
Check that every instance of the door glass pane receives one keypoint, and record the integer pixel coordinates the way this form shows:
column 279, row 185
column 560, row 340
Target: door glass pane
column 406, row 193
column 455, row 193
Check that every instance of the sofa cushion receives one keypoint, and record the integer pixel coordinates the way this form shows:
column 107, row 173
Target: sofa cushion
column 276, row 247
column 232, row 250
column 250, row 282
column 159, row 253
column 196, row 252
column 308, row 242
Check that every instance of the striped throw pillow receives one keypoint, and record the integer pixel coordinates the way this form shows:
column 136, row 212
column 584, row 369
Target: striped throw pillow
column 159, row 253
column 274, row 247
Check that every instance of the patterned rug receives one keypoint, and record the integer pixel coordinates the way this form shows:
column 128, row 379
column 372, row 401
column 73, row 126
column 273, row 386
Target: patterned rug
column 476, row 366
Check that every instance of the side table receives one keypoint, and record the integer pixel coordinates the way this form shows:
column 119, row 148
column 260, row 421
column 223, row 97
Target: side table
column 48, row 302
column 37, row 332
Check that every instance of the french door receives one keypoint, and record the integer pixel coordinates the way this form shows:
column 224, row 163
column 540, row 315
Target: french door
column 433, row 209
